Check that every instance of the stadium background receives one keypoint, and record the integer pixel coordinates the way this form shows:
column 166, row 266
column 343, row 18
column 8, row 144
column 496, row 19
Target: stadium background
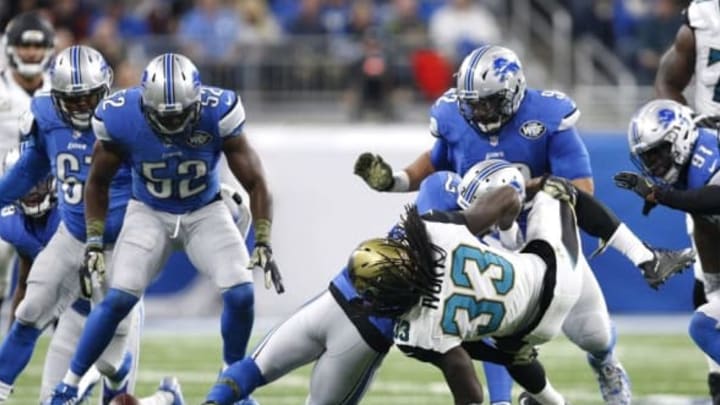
column 324, row 80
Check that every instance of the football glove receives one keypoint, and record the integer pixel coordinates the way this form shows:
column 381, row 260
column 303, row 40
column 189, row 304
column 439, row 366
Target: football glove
column 376, row 173
column 93, row 269
column 560, row 189
column 262, row 257
column 635, row 182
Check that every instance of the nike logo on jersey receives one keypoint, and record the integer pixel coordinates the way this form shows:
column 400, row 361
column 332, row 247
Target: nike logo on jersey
column 75, row 145
column 172, row 154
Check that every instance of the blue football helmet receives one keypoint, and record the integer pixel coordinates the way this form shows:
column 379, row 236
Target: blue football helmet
column 490, row 87
column 488, row 175
column 171, row 95
column 661, row 138
column 79, row 78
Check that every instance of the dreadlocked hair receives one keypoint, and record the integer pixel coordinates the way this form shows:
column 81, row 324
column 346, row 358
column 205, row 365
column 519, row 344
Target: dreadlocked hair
column 427, row 257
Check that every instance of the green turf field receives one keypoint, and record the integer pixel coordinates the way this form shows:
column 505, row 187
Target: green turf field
column 666, row 365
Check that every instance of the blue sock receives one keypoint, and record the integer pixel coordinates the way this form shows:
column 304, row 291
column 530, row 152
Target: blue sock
column 236, row 321
column 100, row 328
column 703, row 330
column 16, row 351
column 499, row 382
column 237, row 382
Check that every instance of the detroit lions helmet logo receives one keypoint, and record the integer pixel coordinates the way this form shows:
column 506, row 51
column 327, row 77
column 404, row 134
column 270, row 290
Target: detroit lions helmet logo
column 198, row 138
column 532, row 129
column 665, row 117
column 503, row 67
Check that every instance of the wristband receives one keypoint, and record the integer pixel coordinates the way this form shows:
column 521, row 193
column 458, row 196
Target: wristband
column 262, row 231
column 401, row 182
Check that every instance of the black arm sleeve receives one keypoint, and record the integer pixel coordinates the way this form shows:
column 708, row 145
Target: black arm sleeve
column 594, row 217
column 700, row 201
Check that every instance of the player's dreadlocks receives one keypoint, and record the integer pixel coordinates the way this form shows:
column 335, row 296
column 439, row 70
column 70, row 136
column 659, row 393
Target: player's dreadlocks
column 392, row 274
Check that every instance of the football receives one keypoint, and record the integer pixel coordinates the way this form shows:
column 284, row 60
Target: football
column 124, row 399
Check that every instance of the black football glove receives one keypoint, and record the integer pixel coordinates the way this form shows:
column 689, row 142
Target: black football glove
column 635, row 182
column 560, row 189
column 376, row 173
column 262, row 257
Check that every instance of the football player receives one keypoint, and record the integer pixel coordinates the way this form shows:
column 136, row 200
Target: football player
column 450, row 291
column 28, row 44
column 173, row 130
column 57, row 139
column 678, row 161
column 695, row 53
column 492, row 114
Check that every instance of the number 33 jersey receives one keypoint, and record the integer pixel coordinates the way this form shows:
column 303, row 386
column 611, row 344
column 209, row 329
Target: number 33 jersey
column 175, row 174
column 485, row 291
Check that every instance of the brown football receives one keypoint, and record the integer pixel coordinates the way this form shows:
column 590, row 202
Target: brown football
column 124, row 399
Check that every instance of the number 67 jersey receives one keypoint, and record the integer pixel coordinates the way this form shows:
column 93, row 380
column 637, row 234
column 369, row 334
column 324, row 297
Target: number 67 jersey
column 175, row 174
column 488, row 291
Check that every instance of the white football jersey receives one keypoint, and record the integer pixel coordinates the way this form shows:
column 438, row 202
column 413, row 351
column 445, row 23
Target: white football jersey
column 14, row 101
column 704, row 18
column 485, row 291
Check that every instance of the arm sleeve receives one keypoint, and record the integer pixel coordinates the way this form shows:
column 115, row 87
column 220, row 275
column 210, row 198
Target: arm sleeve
column 568, row 155
column 24, row 175
column 700, row 201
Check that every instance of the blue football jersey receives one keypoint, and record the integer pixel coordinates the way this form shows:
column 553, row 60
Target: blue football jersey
column 439, row 191
column 178, row 176
column 704, row 161
column 50, row 144
column 539, row 139
column 27, row 235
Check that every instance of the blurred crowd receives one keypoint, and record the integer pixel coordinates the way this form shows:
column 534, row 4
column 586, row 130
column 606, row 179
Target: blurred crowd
column 377, row 50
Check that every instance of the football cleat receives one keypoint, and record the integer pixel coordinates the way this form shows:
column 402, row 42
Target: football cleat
column 172, row 386
column 120, row 377
column 247, row 401
column 613, row 380
column 63, row 394
column 665, row 264
column 526, row 399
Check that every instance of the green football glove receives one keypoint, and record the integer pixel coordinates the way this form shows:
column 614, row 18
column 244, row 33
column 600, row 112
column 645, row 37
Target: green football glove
column 376, row 173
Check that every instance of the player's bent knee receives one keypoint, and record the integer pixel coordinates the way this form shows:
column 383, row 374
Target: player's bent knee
column 241, row 296
column 118, row 303
column 34, row 313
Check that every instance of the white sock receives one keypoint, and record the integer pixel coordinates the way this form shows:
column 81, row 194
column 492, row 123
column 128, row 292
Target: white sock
column 627, row 243
column 712, row 366
column 71, row 379
column 5, row 391
column 158, row 398
column 549, row 396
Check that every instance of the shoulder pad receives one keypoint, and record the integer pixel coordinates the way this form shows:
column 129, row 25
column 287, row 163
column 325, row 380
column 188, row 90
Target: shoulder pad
column 555, row 110
column 43, row 110
column 704, row 15
column 442, row 115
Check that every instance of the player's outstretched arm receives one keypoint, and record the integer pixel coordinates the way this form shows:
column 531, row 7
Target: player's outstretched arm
column 246, row 166
column 24, row 264
column 676, row 66
column 379, row 175
column 500, row 206
column 106, row 160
